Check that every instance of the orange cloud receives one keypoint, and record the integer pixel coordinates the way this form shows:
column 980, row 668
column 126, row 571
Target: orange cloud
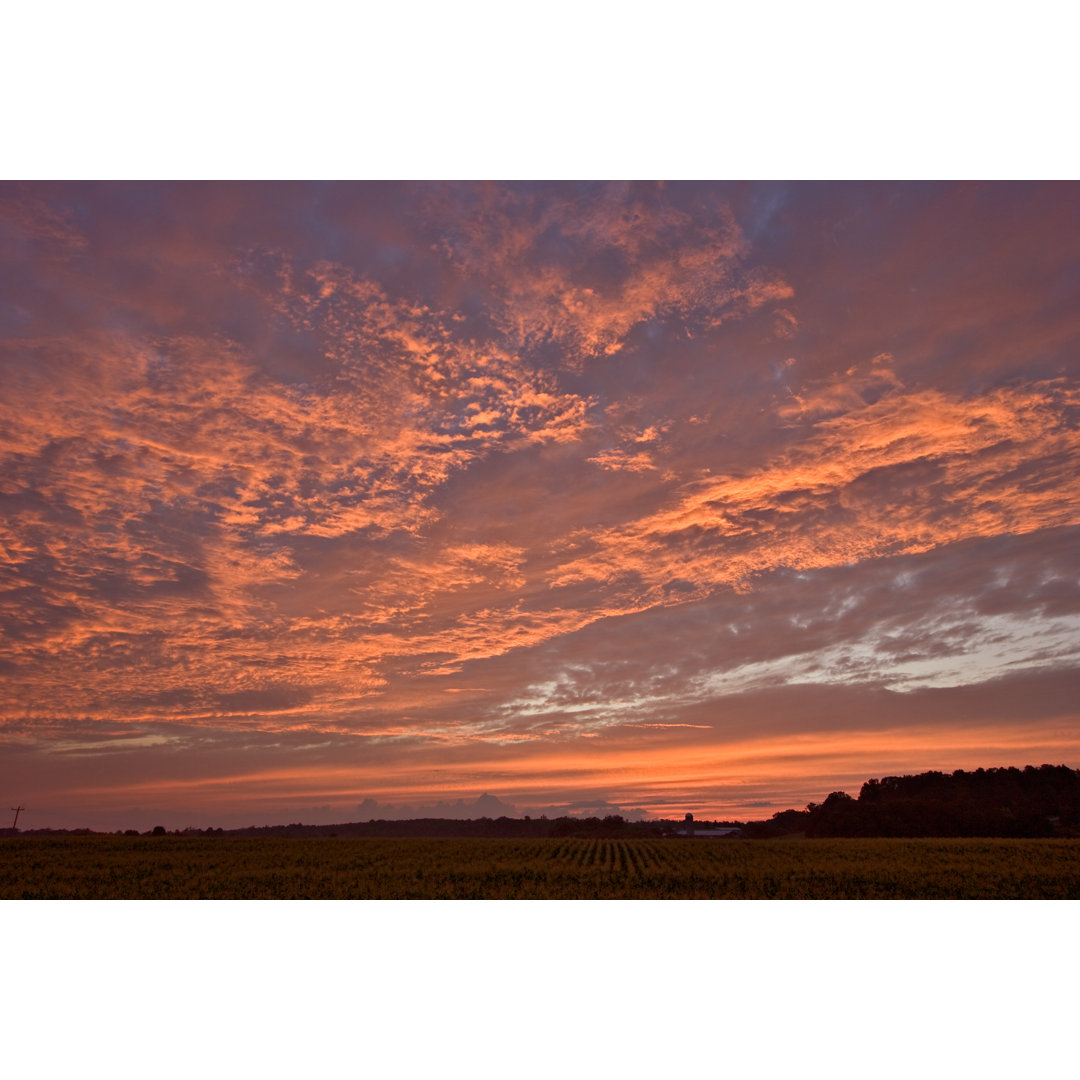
column 621, row 459
column 584, row 270
column 943, row 469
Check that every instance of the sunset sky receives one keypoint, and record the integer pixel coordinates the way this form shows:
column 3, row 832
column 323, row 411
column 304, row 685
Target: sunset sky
column 324, row 502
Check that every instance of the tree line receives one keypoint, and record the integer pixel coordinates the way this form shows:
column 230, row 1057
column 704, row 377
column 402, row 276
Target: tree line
column 1029, row 802
column 1005, row 802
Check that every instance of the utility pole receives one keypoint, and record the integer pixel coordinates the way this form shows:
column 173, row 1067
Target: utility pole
column 17, row 809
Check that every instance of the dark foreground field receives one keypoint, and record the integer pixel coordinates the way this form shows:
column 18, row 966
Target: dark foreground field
column 193, row 868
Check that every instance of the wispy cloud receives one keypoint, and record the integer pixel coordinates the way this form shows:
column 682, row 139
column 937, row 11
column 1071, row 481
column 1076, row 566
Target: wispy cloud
column 906, row 473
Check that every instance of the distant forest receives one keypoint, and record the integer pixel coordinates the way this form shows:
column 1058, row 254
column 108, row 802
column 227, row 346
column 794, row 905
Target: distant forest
column 1034, row 801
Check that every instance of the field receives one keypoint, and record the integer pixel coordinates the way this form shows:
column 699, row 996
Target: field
column 224, row 868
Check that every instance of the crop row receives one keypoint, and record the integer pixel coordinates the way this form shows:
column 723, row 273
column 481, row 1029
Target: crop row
column 114, row 867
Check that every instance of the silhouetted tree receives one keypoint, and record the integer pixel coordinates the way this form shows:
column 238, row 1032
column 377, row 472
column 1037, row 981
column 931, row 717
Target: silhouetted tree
column 987, row 802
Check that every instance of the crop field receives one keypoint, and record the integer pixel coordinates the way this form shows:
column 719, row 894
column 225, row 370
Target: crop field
column 330, row 868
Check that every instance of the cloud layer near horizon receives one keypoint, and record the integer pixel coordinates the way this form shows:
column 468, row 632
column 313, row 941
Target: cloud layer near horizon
column 612, row 495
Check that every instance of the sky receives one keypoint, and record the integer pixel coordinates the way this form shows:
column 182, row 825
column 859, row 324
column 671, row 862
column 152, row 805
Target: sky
column 330, row 502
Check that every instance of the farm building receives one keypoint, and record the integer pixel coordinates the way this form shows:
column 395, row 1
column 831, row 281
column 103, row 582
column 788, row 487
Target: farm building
column 719, row 833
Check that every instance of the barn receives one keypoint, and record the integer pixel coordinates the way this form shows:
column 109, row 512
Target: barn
column 715, row 833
